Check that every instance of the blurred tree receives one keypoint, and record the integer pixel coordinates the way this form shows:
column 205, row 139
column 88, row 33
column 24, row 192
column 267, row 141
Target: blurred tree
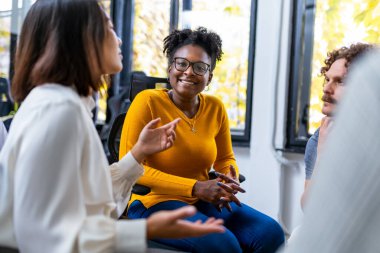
column 339, row 23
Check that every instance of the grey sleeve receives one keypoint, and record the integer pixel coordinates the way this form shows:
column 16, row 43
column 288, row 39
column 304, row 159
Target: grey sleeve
column 311, row 154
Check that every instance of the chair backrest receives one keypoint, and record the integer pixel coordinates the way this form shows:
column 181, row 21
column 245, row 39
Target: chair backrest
column 6, row 103
column 139, row 82
column 114, row 137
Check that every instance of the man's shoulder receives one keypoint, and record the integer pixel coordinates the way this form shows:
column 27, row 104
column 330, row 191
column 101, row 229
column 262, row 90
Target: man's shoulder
column 315, row 136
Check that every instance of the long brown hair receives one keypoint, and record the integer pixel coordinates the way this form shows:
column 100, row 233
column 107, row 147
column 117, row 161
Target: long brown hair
column 61, row 42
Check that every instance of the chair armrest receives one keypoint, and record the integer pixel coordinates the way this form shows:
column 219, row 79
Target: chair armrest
column 144, row 190
column 212, row 175
column 140, row 189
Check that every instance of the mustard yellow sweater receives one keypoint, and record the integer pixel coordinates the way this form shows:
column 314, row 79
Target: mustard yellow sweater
column 172, row 174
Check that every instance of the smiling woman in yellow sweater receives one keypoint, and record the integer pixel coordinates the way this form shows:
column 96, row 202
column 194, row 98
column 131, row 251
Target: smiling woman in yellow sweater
column 179, row 176
column 201, row 142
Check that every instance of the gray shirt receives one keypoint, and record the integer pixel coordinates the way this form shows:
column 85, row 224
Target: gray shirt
column 311, row 154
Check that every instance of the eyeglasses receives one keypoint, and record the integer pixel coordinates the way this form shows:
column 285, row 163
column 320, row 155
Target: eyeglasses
column 199, row 68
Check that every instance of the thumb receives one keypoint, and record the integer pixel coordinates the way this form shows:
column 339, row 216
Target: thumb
column 153, row 123
column 182, row 212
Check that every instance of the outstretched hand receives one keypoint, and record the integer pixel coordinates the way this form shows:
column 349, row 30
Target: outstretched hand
column 153, row 140
column 170, row 224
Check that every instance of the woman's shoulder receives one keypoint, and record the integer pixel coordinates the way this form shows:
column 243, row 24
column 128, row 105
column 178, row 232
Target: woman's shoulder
column 53, row 95
column 151, row 95
column 212, row 100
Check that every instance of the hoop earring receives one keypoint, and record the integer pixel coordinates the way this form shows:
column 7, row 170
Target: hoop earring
column 207, row 88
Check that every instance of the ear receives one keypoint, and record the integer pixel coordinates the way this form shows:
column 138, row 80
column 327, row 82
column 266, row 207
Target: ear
column 210, row 78
column 168, row 74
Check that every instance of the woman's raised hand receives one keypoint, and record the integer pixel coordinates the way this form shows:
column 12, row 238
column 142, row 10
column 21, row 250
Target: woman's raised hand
column 153, row 140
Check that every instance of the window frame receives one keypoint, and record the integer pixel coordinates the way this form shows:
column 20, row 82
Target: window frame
column 123, row 21
column 300, row 76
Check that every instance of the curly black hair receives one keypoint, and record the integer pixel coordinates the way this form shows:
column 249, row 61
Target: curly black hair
column 349, row 53
column 207, row 40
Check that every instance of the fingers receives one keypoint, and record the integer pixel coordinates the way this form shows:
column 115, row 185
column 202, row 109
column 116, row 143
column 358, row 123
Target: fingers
column 153, row 123
column 210, row 220
column 219, row 207
column 198, row 222
column 233, row 188
column 182, row 212
column 193, row 229
column 171, row 133
column 171, row 125
column 232, row 198
column 169, row 143
column 233, row 172
column 214, row 221
column 226, row 204
column 226, row 178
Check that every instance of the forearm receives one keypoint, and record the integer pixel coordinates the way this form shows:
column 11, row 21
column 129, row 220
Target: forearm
column 124, row 175
column 165, row 183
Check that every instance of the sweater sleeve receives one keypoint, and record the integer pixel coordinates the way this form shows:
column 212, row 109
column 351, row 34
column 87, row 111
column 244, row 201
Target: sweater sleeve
column 124, row 175
column 165, row 183
column 225, row 155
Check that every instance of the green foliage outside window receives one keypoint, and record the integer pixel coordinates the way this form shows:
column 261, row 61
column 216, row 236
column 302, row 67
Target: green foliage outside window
column 151, row 25
column 339, row 23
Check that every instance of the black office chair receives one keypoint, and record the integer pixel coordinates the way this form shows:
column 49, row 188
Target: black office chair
column 139, row 82
column 6, row 103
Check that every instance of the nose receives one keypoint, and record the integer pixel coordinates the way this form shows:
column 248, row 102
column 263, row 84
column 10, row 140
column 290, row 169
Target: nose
column 188, row 71
column 328, row 87
column 119, row 41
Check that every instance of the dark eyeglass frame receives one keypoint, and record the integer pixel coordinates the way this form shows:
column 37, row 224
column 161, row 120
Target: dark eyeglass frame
column 192, row 65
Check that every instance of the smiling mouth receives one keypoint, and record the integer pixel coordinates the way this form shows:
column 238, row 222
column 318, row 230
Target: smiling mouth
column 187, row 82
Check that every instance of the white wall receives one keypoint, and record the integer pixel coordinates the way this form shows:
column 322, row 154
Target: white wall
column 274, row 180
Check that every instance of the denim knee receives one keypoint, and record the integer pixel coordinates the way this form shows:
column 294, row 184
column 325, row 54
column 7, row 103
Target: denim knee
column 272, row 239
column 218, row 243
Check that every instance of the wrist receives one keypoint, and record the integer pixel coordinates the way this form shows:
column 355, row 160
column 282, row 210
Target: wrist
column 137, row 153
column 148, row 229
column 194, row 192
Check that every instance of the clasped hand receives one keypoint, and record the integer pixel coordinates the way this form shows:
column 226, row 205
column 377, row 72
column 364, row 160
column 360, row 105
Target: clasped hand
column 220, row 191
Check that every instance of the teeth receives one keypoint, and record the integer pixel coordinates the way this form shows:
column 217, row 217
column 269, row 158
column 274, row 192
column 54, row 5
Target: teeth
column 184, row 81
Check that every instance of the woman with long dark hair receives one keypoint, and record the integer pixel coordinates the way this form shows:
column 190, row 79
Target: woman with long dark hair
column 57, row 192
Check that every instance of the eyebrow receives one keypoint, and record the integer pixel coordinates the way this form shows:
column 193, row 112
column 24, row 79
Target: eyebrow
column 335, row 77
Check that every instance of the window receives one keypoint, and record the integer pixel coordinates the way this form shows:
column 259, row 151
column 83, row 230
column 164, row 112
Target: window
column 11, row 15
column 233, row 76
column 151, row 23
column 359, row 21
column 321, row 26
column 230, row 82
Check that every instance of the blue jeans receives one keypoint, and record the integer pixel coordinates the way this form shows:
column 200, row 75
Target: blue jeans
column 247, row 230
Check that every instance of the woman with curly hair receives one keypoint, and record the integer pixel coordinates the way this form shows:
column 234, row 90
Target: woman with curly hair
column 179, row 177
